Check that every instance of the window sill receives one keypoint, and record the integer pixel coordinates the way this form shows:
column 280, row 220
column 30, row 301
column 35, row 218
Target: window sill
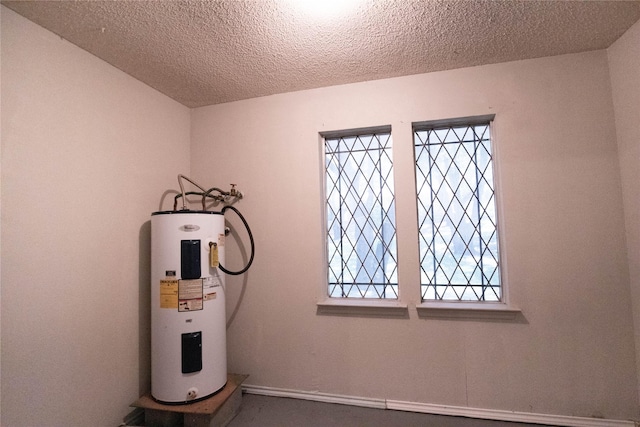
column 363, row 308
column 468, row 311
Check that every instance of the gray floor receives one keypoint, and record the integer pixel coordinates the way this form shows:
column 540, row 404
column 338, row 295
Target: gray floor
column 264, row 411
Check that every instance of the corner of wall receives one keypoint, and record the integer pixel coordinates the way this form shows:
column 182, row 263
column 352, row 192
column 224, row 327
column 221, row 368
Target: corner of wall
column 624, row 70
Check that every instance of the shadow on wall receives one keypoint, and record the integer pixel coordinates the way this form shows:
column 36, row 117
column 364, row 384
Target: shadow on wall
column 144, row 309
column 245, row 277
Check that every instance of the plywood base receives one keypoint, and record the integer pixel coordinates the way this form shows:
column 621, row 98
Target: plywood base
column 216, row 411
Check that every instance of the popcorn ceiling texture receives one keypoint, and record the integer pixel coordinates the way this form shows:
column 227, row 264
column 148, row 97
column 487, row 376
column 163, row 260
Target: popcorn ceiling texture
column 209, row 52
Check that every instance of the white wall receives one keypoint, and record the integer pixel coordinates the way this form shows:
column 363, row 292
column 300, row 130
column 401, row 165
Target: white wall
column 571, row 353
column 87, row 152
column 624, row 63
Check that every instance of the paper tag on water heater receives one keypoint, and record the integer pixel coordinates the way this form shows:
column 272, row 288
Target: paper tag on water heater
column 213, row 256
column 208, row 286
column 211, row 282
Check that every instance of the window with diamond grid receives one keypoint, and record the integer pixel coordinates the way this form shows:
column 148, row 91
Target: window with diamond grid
column 457, row 222
column 360, row 203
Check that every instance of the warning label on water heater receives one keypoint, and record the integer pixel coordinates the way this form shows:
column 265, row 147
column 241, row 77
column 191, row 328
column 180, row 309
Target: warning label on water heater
column 209, row 284
column 190, row 295
column 169, row 293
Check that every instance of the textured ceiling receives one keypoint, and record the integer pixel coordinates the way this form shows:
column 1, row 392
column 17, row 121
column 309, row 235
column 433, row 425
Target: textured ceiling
column 208, row 52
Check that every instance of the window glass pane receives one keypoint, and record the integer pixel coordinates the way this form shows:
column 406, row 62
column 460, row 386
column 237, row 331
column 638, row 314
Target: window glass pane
column 456, row 214
column 360, row 203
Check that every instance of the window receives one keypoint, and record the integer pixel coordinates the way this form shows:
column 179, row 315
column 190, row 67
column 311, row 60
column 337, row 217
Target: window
column 360, row 214
column 457, row 221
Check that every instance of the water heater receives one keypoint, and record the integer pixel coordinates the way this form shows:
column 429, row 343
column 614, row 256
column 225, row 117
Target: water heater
column 188, row 321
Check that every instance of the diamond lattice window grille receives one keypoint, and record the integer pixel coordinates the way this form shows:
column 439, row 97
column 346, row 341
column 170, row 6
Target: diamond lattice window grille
column 360, row 203
column 458, row 233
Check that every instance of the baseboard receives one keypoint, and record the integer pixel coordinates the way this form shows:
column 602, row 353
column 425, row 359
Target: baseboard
column 512, row 416
column 316, row 396
column 427, row 408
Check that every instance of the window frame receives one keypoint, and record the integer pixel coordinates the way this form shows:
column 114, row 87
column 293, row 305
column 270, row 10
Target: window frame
column 399, row 308
column 501, row 310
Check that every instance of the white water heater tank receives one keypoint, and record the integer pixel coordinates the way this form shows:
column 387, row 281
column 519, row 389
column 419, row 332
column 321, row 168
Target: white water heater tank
column 188, row 321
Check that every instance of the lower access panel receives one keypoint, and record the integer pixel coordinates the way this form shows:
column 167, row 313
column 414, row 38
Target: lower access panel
column 191, row 352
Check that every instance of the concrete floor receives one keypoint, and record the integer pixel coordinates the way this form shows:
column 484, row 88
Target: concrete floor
column 265, row 411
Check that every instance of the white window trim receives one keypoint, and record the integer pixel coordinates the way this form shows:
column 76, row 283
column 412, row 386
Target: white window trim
column 426, row 310
column 464, row 310
column 502, row 311
column 479, row 310
column 368, row 307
